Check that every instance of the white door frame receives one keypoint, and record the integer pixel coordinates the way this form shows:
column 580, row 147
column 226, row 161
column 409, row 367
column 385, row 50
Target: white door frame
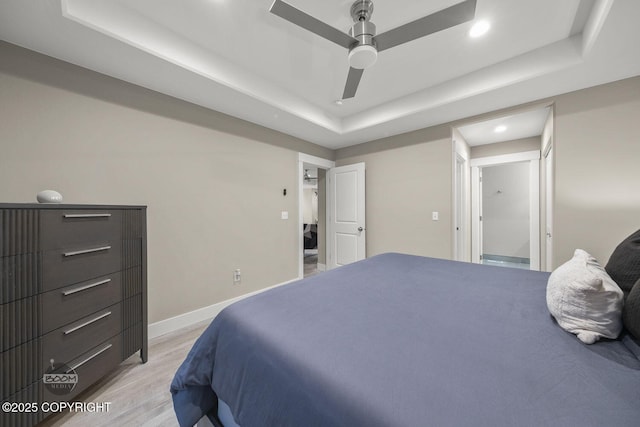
column 319, row 162
column 533, row 157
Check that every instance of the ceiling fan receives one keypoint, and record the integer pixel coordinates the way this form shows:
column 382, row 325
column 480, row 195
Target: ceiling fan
column 362, row 41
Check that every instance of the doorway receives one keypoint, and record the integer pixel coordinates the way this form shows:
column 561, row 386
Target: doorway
column 503, row 139
column 505, row 210
column 505, row 215
column 312, row 214
column 312, row 179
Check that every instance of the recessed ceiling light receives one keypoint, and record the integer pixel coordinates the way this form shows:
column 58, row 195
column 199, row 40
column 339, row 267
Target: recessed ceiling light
column 480, row 28
column 338, row 101
column 500, row 129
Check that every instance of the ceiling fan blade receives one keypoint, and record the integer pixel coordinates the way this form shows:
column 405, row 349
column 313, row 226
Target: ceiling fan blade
column 438, row 21
column 308, row 22
column 353, row 79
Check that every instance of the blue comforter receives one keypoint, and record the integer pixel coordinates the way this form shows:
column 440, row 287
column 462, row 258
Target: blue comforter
column 399, row 340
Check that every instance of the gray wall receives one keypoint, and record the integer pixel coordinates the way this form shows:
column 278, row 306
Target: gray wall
column 213, row 184
column 597, row 169
column 405, row 184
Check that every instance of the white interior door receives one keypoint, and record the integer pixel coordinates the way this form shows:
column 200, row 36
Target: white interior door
column 480, row 218
column 476, row 214
column 459, row 231
column 346, row 215
column 549, row 209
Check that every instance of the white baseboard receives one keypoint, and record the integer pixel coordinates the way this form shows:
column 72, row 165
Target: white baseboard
column 322, row 267
column 200, row 315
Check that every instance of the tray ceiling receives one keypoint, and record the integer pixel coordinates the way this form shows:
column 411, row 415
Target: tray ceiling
column 237, row 58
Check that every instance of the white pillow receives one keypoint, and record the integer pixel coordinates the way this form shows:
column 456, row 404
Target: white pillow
column 584, row 299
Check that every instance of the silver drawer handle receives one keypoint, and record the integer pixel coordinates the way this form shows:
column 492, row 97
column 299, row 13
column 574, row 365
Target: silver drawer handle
column 87, row 323
column 87, row 251
column 85, row 287
column 99, row 215
column 96, row 354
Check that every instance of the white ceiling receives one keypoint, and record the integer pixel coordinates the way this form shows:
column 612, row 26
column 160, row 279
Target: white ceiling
column 525, row 124
column 235, row 57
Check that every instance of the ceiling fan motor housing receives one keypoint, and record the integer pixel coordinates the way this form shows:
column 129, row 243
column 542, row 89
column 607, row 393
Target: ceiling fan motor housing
column 361, row 10
column 364, row 53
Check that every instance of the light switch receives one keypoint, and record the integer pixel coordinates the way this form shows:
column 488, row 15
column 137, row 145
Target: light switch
column 435, row 216
column 284, row 215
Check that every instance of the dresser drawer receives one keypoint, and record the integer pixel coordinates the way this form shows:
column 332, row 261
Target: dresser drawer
column 89, row 367
column 68, row 304
column 64, row 228
column 73, row 339
column 73, row 264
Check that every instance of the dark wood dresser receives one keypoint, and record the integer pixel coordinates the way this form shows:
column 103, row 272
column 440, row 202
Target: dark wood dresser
column 73, row 301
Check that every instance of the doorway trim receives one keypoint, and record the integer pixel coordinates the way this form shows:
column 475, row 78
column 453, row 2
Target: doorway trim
column 533, row 157
column 320, row 163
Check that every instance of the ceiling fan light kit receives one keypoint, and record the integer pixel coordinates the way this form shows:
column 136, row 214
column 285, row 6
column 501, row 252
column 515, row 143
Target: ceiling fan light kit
column 363, row 56
column 362, row 41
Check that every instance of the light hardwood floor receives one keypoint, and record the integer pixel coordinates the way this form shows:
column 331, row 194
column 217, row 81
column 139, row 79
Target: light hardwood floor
column 139, row 393
column 311, row 265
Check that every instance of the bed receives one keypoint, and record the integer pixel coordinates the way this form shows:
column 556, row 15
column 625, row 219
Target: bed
column 401, row 340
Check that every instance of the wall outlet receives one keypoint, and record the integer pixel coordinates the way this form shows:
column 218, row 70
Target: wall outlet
column 237, row 278
column 435, row 216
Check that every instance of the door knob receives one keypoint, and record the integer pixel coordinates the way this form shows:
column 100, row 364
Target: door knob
column 360, row 228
